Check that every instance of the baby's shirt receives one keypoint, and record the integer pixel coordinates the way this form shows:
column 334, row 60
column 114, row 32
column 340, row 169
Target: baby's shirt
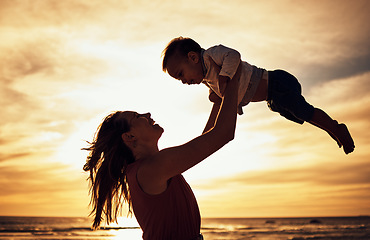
column 228, row 59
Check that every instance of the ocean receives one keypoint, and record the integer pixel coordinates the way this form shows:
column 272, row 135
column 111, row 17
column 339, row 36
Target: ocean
column 320, row 228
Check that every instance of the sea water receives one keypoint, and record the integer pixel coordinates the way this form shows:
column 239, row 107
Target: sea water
column 322, row 228
column 340, row 228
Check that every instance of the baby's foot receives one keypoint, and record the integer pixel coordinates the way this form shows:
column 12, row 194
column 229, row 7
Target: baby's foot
column 345, row 138
column 334, row 137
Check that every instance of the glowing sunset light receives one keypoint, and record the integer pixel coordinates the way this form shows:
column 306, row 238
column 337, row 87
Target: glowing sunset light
column 65, row 65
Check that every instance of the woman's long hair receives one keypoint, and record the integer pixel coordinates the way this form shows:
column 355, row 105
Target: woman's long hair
column 107, row 163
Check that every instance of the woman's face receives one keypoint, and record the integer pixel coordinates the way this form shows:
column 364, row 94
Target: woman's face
column 143, row 127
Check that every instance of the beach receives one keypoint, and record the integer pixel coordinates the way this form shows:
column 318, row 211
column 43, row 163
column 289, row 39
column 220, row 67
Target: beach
column 324, row 228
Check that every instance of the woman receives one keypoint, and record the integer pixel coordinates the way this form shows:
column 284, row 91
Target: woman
column 126, row 166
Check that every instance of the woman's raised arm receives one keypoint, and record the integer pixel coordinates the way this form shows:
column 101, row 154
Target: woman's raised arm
column 175, row 160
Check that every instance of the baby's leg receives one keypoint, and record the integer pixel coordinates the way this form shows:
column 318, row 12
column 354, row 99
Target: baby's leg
column 338, row 132
column 285, row 97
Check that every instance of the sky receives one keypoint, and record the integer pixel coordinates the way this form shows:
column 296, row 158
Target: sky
column 65, row 65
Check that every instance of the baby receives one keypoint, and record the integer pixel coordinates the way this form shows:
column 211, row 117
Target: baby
column 185, row 60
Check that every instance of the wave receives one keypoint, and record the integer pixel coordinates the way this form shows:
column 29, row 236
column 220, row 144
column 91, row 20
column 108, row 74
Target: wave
column 35, row 230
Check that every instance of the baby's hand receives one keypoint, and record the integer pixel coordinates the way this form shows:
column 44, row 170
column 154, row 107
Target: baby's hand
column 222, row 82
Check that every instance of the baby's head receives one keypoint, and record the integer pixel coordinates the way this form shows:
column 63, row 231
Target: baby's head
column 180, row 47
column 182, row 60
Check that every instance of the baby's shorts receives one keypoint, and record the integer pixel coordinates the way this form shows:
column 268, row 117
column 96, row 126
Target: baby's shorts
column 285, row 97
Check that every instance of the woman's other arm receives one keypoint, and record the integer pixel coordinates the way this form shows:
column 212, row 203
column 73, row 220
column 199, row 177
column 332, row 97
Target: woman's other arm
column 213, row 97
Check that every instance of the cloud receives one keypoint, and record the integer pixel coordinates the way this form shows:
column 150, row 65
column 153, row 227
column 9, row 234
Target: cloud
column 38, row 68
column 27, row 181
column 42, row 189
column 9, row 157
column 331, row 41
column 48, row 13
column 340, row 190
column 320, row 174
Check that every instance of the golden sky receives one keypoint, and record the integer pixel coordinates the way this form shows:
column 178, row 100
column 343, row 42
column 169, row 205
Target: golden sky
column 67, row 64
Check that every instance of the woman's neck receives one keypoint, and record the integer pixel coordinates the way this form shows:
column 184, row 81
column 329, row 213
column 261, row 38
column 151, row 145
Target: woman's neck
column 145, row 152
